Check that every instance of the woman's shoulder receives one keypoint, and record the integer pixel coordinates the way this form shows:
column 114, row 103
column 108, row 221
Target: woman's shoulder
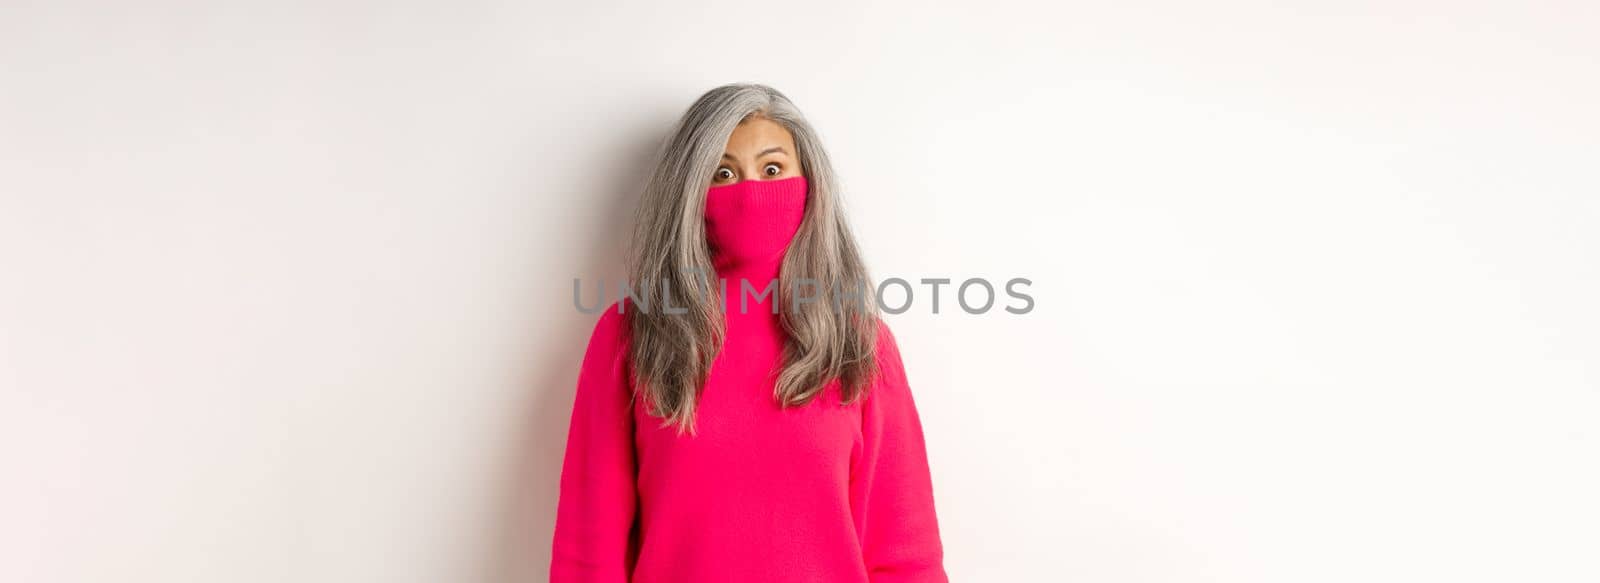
column 610, row 326
column 890, row 369
column 886, row 346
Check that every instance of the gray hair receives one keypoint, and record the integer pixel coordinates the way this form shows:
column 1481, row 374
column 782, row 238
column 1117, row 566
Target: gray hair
column 670, row 354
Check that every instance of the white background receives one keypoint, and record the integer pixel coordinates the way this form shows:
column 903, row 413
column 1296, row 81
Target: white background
column 287, row 285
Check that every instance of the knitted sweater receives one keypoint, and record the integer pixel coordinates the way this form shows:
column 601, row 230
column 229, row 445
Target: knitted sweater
column 823, row 493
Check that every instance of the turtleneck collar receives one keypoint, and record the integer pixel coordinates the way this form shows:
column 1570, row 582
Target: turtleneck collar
column 749, row 225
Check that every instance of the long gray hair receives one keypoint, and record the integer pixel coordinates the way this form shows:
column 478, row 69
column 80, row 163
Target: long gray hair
column 670, row 354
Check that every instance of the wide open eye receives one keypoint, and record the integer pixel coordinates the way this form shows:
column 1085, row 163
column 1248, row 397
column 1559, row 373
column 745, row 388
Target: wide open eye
column 723, row 173
column 772, row 169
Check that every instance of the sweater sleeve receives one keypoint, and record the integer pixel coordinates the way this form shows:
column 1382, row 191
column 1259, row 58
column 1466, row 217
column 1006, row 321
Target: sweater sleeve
column 594, row 527
column 891, row 483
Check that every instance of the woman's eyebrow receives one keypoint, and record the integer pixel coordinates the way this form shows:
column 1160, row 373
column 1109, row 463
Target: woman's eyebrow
column 778, row 149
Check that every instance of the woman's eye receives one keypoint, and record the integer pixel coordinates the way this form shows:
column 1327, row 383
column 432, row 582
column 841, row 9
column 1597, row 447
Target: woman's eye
column 724, row 173
column 773, row 169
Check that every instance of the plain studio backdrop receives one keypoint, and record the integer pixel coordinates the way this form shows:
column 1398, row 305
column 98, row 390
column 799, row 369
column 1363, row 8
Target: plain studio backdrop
column 286, row 287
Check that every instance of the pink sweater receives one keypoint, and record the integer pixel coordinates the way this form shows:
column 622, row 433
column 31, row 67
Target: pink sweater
column 823, row 493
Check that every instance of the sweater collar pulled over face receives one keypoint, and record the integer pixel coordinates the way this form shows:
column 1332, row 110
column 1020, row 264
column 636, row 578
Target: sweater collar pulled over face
column 749, row 225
